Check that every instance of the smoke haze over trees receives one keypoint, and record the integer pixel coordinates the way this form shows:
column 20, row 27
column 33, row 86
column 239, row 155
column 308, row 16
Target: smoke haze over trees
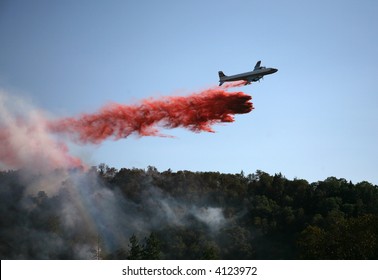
column 106, row 213
column 52, row 206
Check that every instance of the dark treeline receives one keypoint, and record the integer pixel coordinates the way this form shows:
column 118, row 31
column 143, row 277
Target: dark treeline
column 147, row 214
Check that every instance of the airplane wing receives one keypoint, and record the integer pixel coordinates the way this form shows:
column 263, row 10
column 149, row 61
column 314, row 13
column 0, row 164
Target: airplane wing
column 253, row 79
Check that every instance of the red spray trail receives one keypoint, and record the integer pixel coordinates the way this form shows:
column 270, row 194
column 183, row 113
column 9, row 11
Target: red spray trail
column 196, row 112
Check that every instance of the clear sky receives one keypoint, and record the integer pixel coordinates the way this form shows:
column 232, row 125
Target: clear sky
column 316, row 117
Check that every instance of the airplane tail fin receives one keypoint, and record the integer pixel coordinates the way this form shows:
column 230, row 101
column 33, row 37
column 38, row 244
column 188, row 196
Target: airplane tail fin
column 221, row 75
column 257, row 66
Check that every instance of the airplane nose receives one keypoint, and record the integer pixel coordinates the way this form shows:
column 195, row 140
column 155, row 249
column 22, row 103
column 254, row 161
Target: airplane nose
column 274, row 70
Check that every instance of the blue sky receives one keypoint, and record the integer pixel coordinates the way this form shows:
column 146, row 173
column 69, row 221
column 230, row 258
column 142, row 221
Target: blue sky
column 316, row 117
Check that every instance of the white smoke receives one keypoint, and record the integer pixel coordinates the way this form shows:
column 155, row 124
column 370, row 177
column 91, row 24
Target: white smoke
column 83, row 208
column 25, row 139
column 212, row 216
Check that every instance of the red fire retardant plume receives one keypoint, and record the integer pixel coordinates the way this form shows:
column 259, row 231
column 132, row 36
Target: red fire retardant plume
column 196, row 112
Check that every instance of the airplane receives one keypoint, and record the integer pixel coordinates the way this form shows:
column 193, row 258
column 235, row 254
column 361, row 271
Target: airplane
column 249, row 77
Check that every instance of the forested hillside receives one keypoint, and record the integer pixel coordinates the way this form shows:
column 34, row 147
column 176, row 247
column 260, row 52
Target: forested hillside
column 106, row 213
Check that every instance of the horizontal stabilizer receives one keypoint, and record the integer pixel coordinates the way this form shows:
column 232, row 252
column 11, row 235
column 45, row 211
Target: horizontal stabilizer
column 221, row 74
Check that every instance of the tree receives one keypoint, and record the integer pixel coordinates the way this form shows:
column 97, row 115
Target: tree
column 151, row 250
column 97, row 251
column 211, row 252
column 311, row 243
column 355, row 238
column 135, row 252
